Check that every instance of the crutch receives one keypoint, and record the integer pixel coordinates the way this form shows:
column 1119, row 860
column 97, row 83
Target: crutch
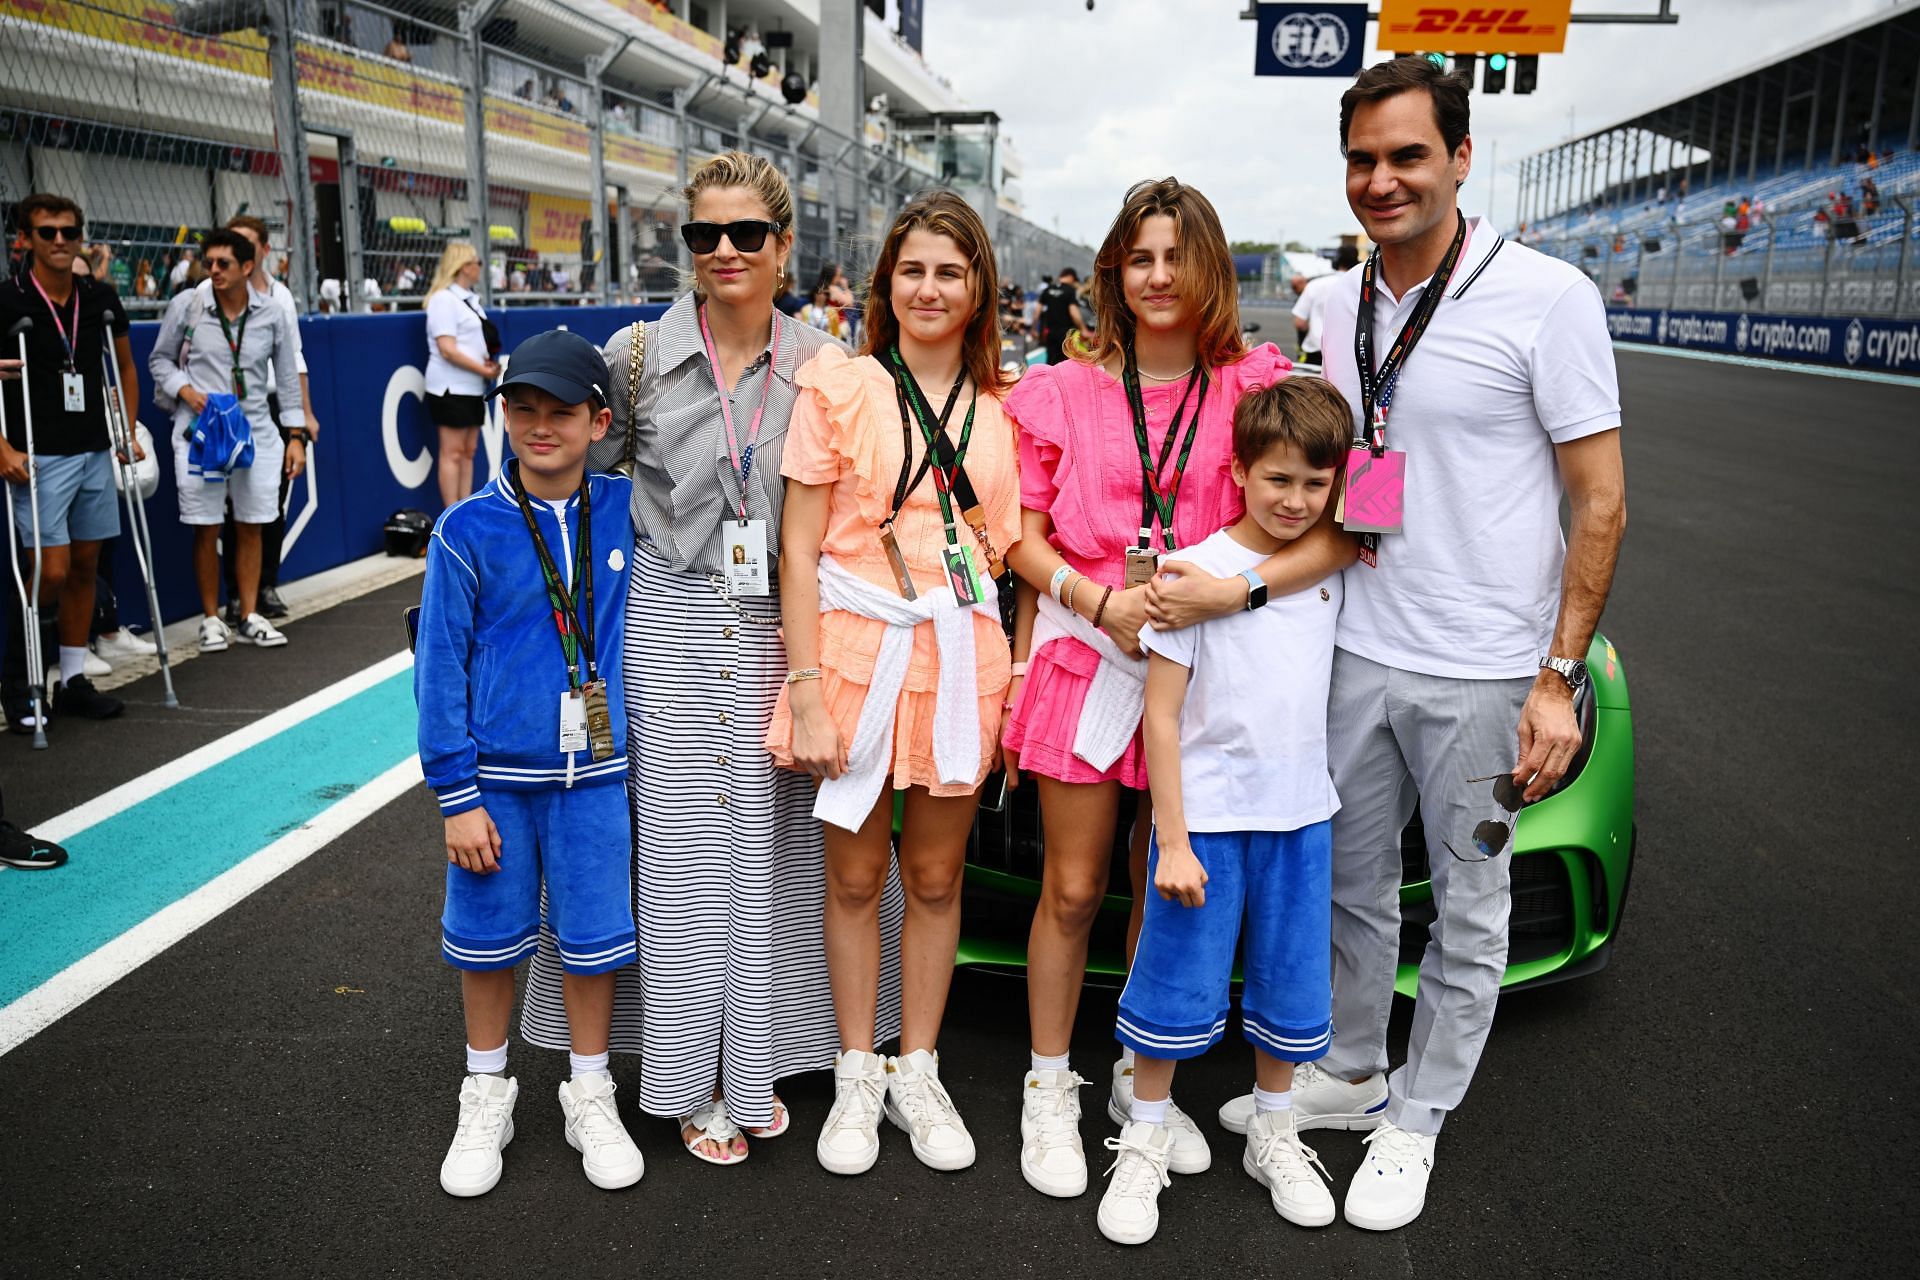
column 29, row 597
column 121, row 434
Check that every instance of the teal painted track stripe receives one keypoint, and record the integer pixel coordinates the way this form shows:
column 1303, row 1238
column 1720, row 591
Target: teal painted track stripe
column 136, row 862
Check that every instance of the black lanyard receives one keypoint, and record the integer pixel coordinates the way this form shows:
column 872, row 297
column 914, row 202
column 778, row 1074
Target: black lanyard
column 1376, row 387
column 233, row 343
column 1154, row 501
column 575, row 640
column 943, row 459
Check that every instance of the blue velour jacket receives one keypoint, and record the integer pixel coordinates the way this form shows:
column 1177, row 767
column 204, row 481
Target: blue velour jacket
column 488, row 670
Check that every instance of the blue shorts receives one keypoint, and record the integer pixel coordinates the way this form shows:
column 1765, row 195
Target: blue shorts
column 1281, row 882
column 78, row 502
column 580, row 843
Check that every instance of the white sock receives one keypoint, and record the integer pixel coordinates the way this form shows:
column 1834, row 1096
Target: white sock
column 487, row 1062
column 1041, row 1062
column 1153, row 1113
column 1264, row 1101
column 589, row 1064
column 73, row 662
column 1126, row 1056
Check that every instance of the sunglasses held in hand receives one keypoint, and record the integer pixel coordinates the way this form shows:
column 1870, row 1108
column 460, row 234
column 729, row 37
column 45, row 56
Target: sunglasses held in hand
column 748, row 235
column 1490, row 835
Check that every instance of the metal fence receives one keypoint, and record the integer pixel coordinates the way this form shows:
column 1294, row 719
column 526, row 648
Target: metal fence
column 1817, row 259
column 368, row 129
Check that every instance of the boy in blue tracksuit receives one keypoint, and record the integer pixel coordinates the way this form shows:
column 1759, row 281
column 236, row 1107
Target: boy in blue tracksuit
column 522, row 737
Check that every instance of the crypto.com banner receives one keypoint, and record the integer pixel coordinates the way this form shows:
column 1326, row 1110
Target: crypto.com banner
column 1847, row 342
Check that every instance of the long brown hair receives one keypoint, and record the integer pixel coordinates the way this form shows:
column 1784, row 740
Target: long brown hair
column 1205, row 280
column 943, row 214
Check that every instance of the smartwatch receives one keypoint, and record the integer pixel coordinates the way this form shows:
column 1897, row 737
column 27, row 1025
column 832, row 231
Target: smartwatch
column 1256, row 588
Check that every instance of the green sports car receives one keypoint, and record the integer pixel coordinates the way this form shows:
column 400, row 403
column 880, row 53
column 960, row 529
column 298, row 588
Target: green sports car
column 1572, row 858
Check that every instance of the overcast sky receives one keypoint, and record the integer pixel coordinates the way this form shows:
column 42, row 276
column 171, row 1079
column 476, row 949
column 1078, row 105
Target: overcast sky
column 1144, row 88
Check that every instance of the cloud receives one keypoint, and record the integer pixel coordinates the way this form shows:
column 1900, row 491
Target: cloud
column 1145, row 88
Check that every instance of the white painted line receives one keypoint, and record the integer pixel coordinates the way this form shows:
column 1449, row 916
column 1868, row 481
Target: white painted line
column 88, row 976
column 131, row 793
column 1779, row 366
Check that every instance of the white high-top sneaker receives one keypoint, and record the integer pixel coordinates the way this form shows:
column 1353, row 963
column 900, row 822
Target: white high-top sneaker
column 1191, row 1154
column 473, row 1162
column 1052, row 1159
column 918, row 1103
column 1130, row 1209
column 850, row 1140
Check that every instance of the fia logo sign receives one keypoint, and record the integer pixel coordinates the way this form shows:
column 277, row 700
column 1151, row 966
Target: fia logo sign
column 1310, row 41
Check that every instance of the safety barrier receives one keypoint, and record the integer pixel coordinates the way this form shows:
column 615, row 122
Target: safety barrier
column 375, row 454
column 1847, row 342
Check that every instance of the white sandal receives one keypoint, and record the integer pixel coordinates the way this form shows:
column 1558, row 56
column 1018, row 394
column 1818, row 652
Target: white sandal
column 783, row 1121
column 714, row 1126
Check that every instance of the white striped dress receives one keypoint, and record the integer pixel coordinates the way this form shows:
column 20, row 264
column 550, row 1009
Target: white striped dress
column 731, row 989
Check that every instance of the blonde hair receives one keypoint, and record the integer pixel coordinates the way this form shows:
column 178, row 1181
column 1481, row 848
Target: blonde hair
column 758, row 175
column 453, row 258
column 943, row 213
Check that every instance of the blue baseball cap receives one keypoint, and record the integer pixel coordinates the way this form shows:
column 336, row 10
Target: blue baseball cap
column 562, row 364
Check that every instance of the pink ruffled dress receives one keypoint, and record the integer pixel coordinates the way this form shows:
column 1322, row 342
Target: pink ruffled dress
column 1079, row 463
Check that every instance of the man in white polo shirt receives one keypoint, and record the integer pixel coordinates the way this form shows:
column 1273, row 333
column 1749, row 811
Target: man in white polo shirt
column 1462, row 637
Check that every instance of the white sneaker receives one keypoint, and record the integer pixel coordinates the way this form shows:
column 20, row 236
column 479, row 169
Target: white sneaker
column 214, row 635
column 473, row 1162
column 256, row 630
column 1130, row 1210
column 1280, row 1162
column 93, row 667
column 122, row 644
column 1052, row 1160
column 1390, row 1187
column 1191, row 1154
column 918, row 1103
column 1321, row 1100
column 594, row 1130
column 850, row 1141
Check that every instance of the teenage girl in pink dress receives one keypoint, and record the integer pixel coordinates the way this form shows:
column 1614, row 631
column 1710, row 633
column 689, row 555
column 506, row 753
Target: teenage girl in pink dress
column 1124, row 455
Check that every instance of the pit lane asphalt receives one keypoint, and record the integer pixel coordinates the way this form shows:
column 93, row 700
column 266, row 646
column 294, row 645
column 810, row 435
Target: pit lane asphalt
column 272, row 1095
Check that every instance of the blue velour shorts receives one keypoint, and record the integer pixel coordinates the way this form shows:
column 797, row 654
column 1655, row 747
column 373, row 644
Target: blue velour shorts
column 580, row 843
column 1280, row 884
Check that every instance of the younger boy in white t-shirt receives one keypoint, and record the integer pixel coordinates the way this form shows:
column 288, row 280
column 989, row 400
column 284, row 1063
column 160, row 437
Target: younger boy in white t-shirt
column 1236, row 735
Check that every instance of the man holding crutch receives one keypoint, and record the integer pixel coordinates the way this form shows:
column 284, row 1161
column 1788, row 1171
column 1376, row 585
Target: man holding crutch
column 62, row 402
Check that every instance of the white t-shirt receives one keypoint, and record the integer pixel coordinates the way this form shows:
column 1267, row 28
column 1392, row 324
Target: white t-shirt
column 1312, row 307
column 455, row 313
column 281, row 296
column 1516, row 360
column 1253, row 730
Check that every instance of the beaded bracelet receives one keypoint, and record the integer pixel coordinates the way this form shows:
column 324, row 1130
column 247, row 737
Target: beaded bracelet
column 1106, row 594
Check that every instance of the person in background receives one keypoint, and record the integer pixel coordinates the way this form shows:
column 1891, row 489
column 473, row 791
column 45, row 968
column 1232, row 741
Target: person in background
column 1309, row 313
column 71, row 465
column 182, row 274
column 459, row 366
column 223, row 341
column 397, row 50
column 1060, row 315
column 273, row 534
column 144, row 285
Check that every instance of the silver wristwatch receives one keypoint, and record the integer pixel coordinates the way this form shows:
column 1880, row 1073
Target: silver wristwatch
column 1572, row 670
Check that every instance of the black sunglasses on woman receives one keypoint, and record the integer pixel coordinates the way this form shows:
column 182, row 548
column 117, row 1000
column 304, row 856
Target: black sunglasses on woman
column 748, row 235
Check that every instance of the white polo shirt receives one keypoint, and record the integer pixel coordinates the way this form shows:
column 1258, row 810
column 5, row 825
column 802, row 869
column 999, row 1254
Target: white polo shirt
column 454, row 312
column 1516, row 360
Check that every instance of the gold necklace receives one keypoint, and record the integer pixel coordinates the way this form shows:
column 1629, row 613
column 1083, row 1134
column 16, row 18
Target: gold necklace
column 1172, row 377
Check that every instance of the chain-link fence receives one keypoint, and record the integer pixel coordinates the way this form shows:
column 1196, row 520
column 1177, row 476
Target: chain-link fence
column 163, row 120
column 1838, row 257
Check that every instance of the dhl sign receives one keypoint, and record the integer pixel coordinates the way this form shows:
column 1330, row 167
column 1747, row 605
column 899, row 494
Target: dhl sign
column 1411, row 26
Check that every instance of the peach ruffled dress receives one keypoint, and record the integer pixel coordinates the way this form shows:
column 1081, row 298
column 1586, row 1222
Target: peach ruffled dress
column 845, row 432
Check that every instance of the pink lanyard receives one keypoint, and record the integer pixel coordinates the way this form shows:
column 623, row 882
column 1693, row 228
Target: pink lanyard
column 70, row 343
column 742, row 461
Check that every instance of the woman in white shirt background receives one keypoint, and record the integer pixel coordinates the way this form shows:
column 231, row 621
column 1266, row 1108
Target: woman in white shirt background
column 459, row 366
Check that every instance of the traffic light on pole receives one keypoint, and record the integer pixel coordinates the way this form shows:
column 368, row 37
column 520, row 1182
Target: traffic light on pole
column 1526, row 73
column 1496, row 78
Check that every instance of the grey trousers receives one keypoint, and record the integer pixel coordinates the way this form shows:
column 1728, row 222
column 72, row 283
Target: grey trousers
column 1394, row 737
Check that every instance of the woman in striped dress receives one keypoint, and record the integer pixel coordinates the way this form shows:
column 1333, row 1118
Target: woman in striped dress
column 730, row 993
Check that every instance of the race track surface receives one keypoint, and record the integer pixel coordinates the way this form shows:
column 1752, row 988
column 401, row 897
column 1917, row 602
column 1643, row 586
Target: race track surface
column 272, row 1095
